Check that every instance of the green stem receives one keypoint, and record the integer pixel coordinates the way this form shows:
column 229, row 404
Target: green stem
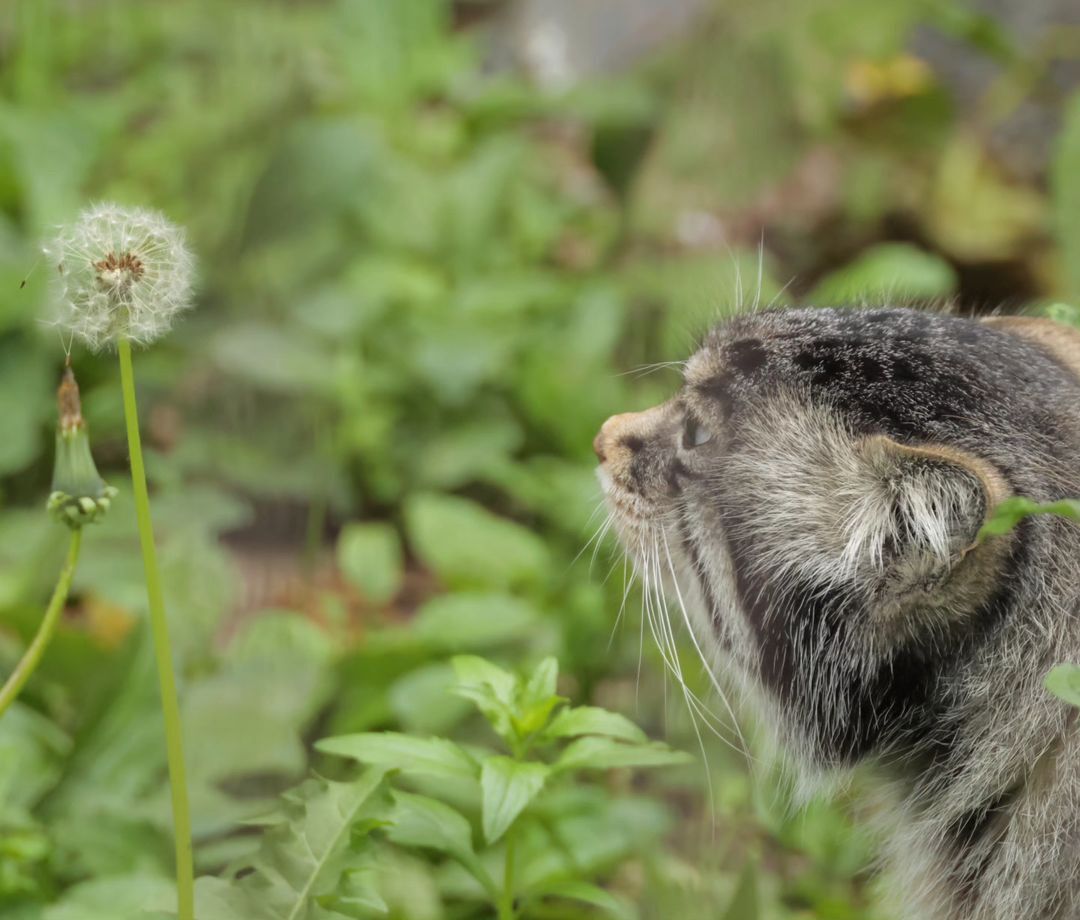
column 506, row 902
column 32, row 656
column 170, row 708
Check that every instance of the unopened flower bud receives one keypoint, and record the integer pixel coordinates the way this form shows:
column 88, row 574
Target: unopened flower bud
column 79, row 495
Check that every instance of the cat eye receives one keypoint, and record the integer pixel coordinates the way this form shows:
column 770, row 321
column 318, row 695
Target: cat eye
column 694, row 433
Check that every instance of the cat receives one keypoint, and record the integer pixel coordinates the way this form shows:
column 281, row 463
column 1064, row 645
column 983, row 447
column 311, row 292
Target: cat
column 811, row 498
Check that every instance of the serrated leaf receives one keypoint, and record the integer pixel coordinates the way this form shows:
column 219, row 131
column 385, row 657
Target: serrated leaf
column 357, row 896
column 508, row 787
column 1064, row 682
column 592, row 720
column 305, row 857
column 408, row 754
column 596, row 753
column 370, row 557
column 1007, row 514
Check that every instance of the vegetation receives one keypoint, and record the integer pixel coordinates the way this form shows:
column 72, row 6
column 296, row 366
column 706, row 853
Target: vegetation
column 423, row 284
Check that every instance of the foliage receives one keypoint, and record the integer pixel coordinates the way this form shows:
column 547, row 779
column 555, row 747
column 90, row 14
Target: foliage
column 319, row 858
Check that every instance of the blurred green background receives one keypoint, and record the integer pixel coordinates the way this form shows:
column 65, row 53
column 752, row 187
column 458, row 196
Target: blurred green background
column 439, row 242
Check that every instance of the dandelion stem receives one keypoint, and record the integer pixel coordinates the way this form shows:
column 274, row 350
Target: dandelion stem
column 30, row 659
column 170, row 708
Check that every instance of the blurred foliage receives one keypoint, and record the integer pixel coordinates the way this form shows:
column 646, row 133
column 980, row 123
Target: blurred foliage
column 425, row 281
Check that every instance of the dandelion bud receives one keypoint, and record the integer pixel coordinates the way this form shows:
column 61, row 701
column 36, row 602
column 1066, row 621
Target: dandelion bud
column 119, row 273
column 79, row 495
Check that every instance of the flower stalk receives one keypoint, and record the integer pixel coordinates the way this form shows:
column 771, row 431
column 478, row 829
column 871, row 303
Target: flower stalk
column 170, row 707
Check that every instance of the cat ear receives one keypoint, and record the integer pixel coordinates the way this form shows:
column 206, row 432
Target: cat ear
column 929, row 504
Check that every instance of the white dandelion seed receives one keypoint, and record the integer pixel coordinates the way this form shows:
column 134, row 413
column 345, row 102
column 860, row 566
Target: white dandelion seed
column 119, row 273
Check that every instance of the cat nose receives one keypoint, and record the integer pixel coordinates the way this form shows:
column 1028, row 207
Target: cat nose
column 613, row 433
column 598, row 446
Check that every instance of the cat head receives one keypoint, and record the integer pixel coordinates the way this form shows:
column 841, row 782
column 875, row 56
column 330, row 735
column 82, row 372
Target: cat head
column 811, row 498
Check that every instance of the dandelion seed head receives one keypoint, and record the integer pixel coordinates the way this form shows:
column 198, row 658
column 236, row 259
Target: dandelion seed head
column 119, row 273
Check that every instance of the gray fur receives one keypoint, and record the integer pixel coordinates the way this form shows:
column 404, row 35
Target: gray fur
column 821, row 541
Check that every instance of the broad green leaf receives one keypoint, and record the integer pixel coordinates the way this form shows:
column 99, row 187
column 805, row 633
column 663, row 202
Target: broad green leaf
column 396, row 751
column 1064, row 682
column 370, row 557
column 424, row 701
column 420, row 821
column 468, row 545
column 474, row 620
column 592, row 720
column 596, row 753
column 1013, row 510
column 508, row 787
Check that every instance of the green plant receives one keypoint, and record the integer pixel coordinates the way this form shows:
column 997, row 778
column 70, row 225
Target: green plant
column 519, row 828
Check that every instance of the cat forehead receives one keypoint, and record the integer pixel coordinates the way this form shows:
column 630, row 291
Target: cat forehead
column 825, row 345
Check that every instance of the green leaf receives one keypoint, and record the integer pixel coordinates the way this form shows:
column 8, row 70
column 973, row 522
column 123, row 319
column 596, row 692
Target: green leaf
column 24, row 404
column 898, row 270
column 491, row 689
column 588, row 894
column 310, row 853
column 508, row 787
column 537, row 699
column 1013, row 510
column 474, row 620
column 592, row 720
column 420, row 821
column 542, row 683
column 408, row 754
column 1064, row 682
column 357, row 895
column 126, row 897
column 744, row 903
column 278, row 360
column 596, row 753
column 468, row 545
column 370, row 557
